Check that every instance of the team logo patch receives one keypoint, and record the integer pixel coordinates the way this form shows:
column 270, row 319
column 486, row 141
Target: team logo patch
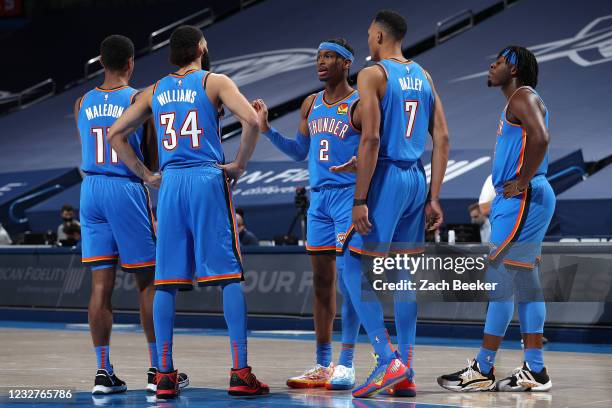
column 343, row 109
column 341, row 238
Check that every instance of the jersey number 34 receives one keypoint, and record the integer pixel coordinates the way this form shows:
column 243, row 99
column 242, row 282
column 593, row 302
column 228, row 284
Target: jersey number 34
column 189, row 128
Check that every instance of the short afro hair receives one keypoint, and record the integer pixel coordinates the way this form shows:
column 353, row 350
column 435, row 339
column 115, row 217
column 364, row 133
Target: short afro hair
column 184, row 45
column 67, row 207
column 115, row 51
column 525, row 62
column 393, row 23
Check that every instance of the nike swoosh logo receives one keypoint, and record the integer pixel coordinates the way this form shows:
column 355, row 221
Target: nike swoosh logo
column 316, row 106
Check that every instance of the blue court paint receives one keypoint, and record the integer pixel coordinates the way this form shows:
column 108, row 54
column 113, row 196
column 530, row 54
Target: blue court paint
column 207, row 397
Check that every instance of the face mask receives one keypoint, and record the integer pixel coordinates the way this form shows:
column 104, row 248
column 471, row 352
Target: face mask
column 478, row 221
column 68, row 219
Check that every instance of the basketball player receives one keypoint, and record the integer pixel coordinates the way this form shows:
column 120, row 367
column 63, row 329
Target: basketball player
column 329, row 136
column 521, row 213
column 116, row 219
column 398, row 107
column 197, row 227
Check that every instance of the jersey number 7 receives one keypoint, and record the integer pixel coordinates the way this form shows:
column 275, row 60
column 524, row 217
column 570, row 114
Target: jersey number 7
column 188, row 128
column 411, row 108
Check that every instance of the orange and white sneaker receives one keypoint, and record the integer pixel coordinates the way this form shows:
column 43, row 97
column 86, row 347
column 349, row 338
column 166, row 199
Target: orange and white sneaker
column 315, row 377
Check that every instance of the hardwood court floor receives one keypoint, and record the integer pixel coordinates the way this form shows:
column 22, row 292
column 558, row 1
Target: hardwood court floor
column 51, row 359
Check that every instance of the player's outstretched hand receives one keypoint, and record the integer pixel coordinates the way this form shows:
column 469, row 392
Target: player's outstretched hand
column 232, row 171
column 348, row 167
column 262, row 114
column 434, row 216
column 153, row 180
column 360, row 219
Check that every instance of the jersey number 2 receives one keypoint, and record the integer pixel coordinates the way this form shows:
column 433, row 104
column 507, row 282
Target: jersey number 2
column 100, row 135
column 188, row 128
column 324, row 150
column 411, row 108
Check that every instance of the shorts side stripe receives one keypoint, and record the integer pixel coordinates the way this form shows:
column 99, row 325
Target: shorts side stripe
column 152, row 219
column 232, row 220
column 518, row 225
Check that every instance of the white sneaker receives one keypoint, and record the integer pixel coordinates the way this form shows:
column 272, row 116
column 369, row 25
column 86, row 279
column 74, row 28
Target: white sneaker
column 343, row 378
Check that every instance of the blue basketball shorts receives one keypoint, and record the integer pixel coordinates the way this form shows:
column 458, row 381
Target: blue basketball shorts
column 196, row 229
column 117, row 222
column 329, row 218
column 519, row 224
column 396, row 203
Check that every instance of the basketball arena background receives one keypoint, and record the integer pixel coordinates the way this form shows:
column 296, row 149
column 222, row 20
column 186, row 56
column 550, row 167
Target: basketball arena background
column 268, row 47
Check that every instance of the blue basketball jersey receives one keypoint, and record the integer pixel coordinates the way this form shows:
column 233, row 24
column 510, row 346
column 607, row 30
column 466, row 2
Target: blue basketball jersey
column 98, row 111
column 510, row 150
column 187, row 123
column 406, row 108
column 333, row 140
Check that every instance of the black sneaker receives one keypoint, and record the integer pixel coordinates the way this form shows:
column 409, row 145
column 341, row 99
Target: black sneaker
column 244, row 383
column 182, row 378
column 167, row 385
column 469, row 379
column 106, row 383
column 524, row 379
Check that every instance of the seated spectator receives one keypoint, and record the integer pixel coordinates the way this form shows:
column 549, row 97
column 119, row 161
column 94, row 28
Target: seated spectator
column 67, row 214
column 246, row 237
column 73, row 235
column 481, row 220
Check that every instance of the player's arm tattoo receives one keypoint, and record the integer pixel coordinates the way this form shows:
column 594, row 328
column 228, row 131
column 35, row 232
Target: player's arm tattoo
column 140, row 169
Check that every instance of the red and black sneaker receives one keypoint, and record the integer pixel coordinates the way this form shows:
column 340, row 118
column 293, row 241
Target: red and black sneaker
column 243, row 383
column 167, row 385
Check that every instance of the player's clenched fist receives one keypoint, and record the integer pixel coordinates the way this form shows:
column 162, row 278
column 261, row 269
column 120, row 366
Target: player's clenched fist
column 153, row 180
column 262, row 114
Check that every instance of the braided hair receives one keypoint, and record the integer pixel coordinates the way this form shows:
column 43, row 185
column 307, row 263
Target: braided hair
column 525, row 62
